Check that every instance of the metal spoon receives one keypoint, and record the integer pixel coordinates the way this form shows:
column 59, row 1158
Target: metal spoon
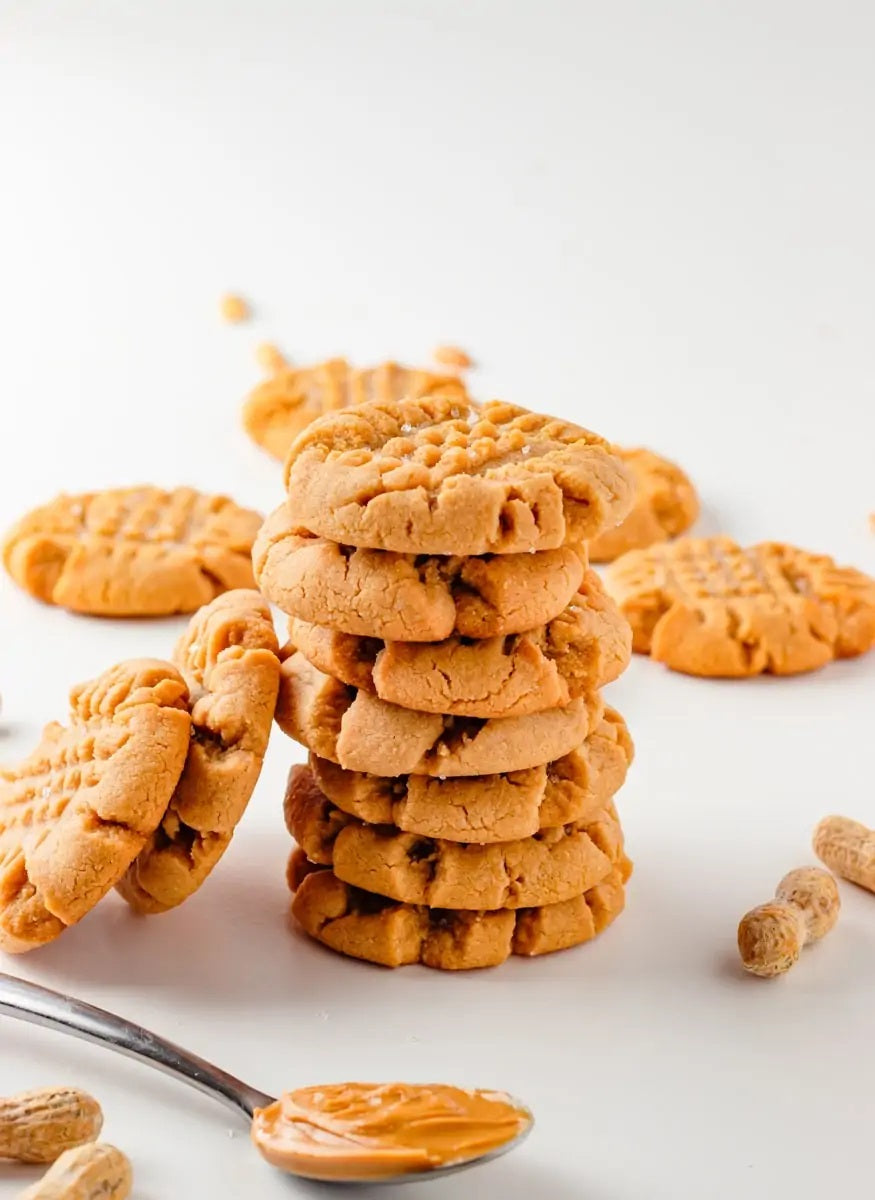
column 40, row 1006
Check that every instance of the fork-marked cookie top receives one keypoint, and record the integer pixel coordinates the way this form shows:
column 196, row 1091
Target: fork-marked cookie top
column 707, row 606
column 440, row 476
column 80, row 807
column 137, row 551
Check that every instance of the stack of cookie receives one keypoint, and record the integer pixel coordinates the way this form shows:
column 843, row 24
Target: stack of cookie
column 447, row 649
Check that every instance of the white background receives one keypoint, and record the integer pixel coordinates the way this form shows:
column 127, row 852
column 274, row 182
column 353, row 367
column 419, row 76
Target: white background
column 655, row 218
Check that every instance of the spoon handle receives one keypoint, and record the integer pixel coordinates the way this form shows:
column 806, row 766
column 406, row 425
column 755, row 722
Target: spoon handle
column 39, row 1006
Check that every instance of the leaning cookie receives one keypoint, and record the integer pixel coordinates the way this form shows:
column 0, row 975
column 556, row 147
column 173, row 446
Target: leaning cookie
column 286, row 403
column 489, row 808
column 409, row 597
column 440, row 476
column 133, row 552
column 363, row 733
column 228, row 657
column 555, row 865
column 585, row 647
column 665, row 506
column 707, row 606
column 361, row 925
column 77, row 811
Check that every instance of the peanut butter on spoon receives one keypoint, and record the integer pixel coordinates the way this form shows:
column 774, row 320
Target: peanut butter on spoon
column 358, row 1131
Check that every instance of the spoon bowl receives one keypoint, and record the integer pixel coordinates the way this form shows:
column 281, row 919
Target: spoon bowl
column 40, row 1006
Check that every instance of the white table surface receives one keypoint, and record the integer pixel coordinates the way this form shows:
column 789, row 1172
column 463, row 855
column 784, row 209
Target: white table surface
column 656, row 219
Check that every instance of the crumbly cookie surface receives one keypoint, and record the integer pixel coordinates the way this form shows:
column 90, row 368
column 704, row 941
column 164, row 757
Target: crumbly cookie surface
column 489, row 808
column 285, row 404
column 407, row 597
column 553, row 865
column 665, row 506
column 440, row 476
column 133, row 551
column 77, row 811
column 363, row 733
column 228, row 658
column 585, row 647
column 711, row 607
column 361, row 925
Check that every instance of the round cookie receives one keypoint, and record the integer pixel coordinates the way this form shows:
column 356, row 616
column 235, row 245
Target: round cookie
column 407, row 597
column 585, row 647
column 439, row 476
column 363, row 733
column 665, row 506
column 706, row 606
column 278, row 409
column 78, row 810
column 489, row 808
column 133, row 552
column 554, row 865
column 228, row 658
column 361, row 925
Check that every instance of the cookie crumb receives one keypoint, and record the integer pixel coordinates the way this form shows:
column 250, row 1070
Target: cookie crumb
column 271, row 358
column 234, row 309
column 452, row 356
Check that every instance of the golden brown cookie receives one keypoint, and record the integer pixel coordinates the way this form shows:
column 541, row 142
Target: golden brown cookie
column 489, row 808
column 665, row 506
column 706, row 606
column 364, row 733
column 554, row 865
column 440, row 476
column 278, row 409
column 361, row 925
column 587, row 646
column 408, row 597
column 228, row 658
column 77, row 811
column 131, row 552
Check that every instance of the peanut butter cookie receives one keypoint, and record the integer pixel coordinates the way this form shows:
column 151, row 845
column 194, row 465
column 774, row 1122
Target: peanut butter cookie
column 440, row 476
column 489, row 808
column 709, row 607
column 587, row 646
column 361, row 925
column 131, row 552
column 556, row 864
column 278, row 409
column 665, row 506
column 364, row 733
column 407, row 597
column 77, row 811
column 228, row 658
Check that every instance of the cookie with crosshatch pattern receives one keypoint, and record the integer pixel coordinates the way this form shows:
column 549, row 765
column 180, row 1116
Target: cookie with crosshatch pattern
column 442, row 476
column 707, row 606
column 137, row 551
column 78, row 810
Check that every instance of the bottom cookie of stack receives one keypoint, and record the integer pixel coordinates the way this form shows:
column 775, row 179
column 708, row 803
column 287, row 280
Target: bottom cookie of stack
column 362, row 925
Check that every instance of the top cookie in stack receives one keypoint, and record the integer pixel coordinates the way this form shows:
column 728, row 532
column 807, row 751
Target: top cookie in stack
column 444, row 624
